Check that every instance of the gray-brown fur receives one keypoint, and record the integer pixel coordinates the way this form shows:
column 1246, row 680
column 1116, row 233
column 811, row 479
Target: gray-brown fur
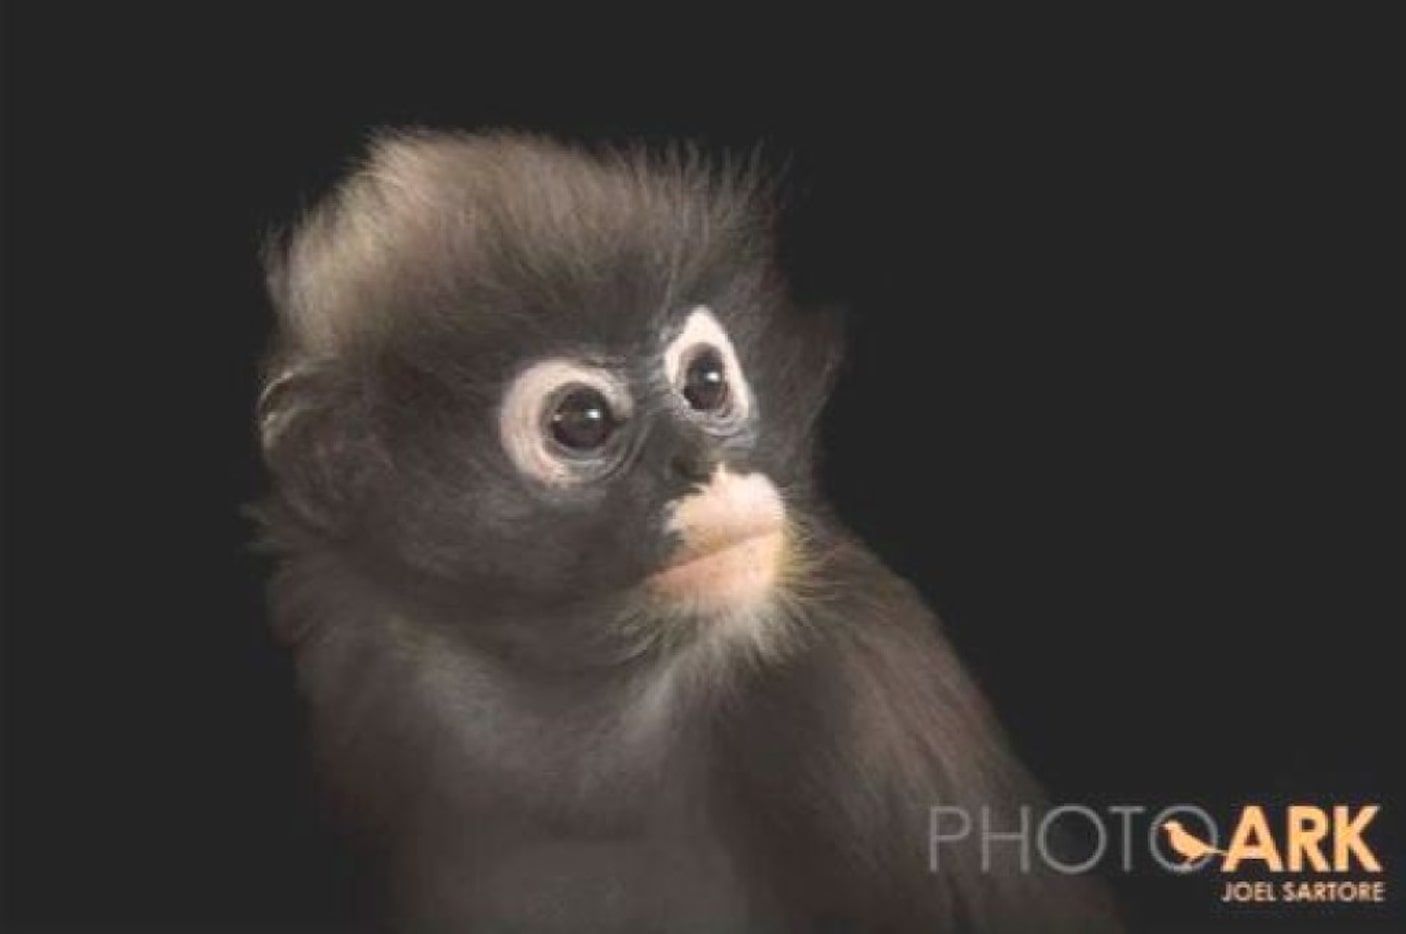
column 484, row 707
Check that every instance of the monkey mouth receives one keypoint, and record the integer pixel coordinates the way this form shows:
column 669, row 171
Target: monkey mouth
column 732, row 542
column 730, row 571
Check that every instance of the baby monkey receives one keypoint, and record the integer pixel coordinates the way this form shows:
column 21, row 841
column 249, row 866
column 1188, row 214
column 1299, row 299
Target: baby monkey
column 583, row 648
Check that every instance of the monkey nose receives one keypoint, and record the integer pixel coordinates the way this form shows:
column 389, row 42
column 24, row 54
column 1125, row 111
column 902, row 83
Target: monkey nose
column 692, row 464
column 693, row 459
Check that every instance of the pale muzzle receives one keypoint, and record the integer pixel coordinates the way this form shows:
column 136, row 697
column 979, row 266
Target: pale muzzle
column 732, row 543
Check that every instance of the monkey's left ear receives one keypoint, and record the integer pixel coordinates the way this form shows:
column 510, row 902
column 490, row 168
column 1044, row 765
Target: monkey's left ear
column 809, row 354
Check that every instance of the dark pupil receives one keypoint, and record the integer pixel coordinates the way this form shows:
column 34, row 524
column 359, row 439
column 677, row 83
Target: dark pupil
column 582, row 420
column 705, row 381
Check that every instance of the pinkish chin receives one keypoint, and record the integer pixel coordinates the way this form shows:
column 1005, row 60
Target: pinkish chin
column 733, row 545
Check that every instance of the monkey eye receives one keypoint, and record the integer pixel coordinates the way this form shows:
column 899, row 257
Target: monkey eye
column 582, row 420
column 705, row 381
column 707, row 378
column 561, row 421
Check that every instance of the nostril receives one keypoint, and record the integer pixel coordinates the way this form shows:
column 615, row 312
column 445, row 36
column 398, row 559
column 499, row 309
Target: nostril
column 694, row 466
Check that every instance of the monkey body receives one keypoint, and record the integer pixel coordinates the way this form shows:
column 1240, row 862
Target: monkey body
column 543, row 799
column 584, row 650
column 658, row 796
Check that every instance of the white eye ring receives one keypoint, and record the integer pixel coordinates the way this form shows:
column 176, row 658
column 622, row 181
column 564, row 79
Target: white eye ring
column 522, row 418
column 702, row 330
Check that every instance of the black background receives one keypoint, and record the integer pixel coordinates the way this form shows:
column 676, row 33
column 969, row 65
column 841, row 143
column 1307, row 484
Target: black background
column 1121, row 397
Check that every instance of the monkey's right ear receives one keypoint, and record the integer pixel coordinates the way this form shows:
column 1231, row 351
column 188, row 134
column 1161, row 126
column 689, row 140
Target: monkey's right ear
column 277, row 404
column 314, row 445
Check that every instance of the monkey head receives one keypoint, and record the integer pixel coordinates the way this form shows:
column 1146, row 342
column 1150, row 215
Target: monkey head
column 539, row 384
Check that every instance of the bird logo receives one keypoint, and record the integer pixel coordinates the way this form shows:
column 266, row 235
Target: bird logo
column 1188, row 846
